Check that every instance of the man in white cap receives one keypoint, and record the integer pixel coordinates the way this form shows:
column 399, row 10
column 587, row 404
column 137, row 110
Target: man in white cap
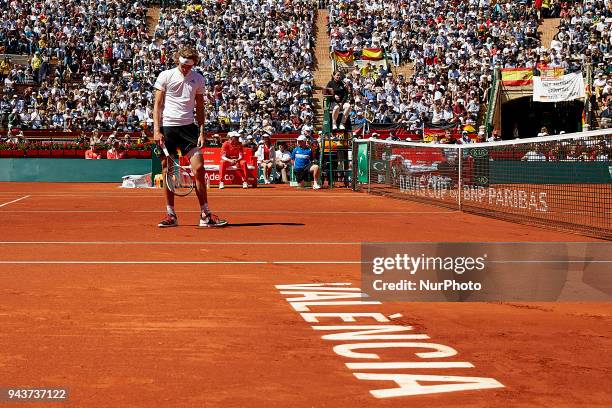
column 266, row 156
column 303, row 165
column 177, row 92
column 232, row 154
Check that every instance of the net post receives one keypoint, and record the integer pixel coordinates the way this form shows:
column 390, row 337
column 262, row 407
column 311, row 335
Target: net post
column 321, row 159
column 329, row 161
column 370, row 144
column 460, row 178
column 352, row 164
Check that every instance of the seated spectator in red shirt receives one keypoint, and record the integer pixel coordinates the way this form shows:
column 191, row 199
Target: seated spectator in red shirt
column 92, row 153
column 232, row 154
column 115, row 152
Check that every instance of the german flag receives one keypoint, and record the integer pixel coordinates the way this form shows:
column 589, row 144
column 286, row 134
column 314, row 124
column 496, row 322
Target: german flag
column 345, row 57
column 516, row 76
column 372, row 54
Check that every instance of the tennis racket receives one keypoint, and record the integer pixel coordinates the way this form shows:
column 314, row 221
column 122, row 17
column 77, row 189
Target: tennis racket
column 178, row 179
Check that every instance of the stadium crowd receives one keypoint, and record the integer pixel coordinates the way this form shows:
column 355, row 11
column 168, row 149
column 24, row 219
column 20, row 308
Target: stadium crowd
column 85, row 66
column 95, row 70
column 92, row 63
column 256, row 58
column 455, row 48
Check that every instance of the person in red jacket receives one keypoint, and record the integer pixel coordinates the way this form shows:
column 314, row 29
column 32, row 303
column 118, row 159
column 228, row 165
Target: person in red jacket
column 92, row 153
column 232, row 154
column 114, row 152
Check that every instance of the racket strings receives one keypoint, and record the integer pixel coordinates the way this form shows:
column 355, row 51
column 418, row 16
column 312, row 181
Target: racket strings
column 179, row 179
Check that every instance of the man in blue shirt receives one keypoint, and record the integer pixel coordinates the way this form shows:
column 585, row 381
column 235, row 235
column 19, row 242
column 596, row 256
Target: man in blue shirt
column 302, row 163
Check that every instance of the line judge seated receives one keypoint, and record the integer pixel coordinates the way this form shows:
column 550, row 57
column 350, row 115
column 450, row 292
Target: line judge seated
column 303, row 165
column 232, row 154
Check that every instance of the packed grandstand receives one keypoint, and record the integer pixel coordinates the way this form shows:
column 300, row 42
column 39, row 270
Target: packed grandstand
column 90, row 65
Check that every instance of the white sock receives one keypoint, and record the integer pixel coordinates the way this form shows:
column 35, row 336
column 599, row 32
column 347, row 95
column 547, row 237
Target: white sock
column 170, row 210
column 204, row 209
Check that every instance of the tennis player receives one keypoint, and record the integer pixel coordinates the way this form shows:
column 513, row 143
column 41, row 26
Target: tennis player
column 177, row 92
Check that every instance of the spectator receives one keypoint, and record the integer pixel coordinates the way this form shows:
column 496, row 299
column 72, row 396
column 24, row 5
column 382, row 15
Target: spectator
column 465, row 138
column 115, row 151
column 143, row 139
column 266, row 157
column 215, row 141
column 283, row 160
column 92, row 153
column 494, row 136
column 5, row 68
column 232, row 154
column 16, row 137
column 607, row 112
column 534, row 154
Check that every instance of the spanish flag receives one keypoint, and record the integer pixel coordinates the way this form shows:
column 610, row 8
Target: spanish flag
column 516, row 76
column 372, row 54
column 345, row 57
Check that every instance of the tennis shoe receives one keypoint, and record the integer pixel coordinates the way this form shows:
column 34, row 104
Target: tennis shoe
column 245, row 185
column 210, row 220
column 316, row 186
column 221, row 185
column 169, row 221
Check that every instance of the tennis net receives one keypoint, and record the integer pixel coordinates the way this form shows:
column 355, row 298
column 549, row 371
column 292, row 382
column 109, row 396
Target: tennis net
column 563, row 182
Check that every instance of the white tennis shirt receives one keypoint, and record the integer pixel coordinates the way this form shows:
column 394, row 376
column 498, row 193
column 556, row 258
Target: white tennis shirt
column 180, row 95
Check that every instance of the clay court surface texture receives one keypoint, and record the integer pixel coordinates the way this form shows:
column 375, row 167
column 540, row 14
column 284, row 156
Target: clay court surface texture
column 95, row 298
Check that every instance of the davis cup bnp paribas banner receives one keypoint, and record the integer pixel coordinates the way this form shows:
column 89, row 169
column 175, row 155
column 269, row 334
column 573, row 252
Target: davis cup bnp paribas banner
column 564, row 88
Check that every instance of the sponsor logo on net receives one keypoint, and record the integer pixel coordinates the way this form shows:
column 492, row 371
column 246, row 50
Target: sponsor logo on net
column 405, row 263
column 425, row 185
column 440, row 187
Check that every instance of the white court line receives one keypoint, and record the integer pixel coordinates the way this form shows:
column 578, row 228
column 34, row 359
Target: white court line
column 583, row 212
column 178, row 262
column 244, row 212
column 67, row 211
column 547, row 261
column 317, row 262
column 169, row 243
column 243, row 196
column 14, row 201
column 317, row 212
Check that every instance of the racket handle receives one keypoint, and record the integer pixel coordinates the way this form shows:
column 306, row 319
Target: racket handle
column 207, row 183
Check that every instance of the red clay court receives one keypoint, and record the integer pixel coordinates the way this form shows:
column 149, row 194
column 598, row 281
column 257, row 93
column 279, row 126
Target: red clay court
column 97, row 299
